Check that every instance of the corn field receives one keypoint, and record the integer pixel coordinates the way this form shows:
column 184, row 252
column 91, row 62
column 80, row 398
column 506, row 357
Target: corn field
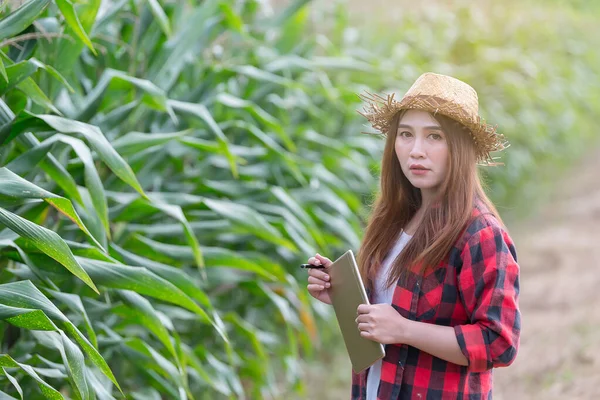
column 155, row 187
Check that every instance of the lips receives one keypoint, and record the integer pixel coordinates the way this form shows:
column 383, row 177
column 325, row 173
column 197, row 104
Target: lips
column 418, row 167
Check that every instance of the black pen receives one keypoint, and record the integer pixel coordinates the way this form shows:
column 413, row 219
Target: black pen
column 311, row 266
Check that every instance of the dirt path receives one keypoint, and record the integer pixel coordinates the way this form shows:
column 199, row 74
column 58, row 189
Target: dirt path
column 559, row 255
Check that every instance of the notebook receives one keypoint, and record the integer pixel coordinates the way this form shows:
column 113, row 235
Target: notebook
column 347, row 292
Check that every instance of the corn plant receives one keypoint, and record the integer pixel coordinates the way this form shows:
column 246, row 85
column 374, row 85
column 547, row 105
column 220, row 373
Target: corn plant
column 165, row 167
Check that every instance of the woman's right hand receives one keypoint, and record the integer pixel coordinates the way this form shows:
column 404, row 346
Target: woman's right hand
column 318, row 279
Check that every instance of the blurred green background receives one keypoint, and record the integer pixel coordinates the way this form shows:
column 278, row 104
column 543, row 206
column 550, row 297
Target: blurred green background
column 166, row 165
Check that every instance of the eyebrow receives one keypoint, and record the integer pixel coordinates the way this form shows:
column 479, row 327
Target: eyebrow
column 432, row 127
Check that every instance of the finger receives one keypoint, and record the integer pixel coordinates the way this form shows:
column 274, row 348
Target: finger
column 324, row 260
column 363, row 327
column 319, row 274
column 366, row 335
column 317, row 281
column 314, row 261
column 315, row 288
column 363, row 309
column 361, row 319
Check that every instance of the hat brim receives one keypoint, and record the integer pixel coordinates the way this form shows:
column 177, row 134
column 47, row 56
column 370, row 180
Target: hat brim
column 380, row 111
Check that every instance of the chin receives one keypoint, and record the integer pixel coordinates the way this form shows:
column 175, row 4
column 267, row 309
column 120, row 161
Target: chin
column 422, row 185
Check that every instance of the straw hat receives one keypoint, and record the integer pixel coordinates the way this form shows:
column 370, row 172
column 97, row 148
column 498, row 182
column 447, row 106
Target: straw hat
column 438, row 94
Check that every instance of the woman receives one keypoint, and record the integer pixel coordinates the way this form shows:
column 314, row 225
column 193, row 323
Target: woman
column 439, row 266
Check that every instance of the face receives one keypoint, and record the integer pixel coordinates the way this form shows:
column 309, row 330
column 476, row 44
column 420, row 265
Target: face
column 422, row 151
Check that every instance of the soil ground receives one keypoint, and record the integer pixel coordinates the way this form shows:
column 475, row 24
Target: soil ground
column 559, row 255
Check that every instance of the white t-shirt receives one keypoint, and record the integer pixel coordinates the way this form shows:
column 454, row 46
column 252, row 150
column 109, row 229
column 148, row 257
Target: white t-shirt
column 383, row 295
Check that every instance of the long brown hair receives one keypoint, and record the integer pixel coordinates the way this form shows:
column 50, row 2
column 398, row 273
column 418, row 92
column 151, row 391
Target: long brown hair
column 398, row 201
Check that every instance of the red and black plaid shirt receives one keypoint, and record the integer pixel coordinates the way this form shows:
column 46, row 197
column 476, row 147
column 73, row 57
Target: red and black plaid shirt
column 475, row 291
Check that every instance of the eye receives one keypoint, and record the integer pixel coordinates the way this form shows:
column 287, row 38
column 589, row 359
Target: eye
column 436, row 136
column 405, row 134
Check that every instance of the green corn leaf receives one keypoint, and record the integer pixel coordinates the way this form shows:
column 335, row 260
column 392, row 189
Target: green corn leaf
column 259, row 114
column 21, row 18
column 196, row 32
column 29, row 159
column 85, row 250
column 215, row 257
column 288, row 12
column 52, row 167
column 134, row 142
column 91, row 352
column 160, row 16
column 91, row 176
column 48, row 391
column 159, row 369
column 176, row 276
column 176, row 213
column 141, row 207
column 147, row 315
column 68, row 11
column 15, row 383
column 209, row 146
column 99, row 143
column 33, row 91
column 252, row 221
column 3, row 71
column 216, row 379
column 92, row 134
column 53, row 73
column 26, row 318
column 262, row 75
column 221, row 257
column 251, row 333
column 68, row 51
column 16, row 74
column 144, row 282
column 233, row 20
column 154, row 96
column 48, row 242
column 74, row 303
column 290, row 202
column 72, row 358
column 140, row 280
column 19, row 77
column 200, row 111
column 102, row 389
column 14, row 186
column 24, row 294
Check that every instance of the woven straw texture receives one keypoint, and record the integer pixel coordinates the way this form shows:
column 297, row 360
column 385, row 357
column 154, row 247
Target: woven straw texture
column 438, row 94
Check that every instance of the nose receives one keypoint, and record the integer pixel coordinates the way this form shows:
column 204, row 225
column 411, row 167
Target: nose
column 417, row 150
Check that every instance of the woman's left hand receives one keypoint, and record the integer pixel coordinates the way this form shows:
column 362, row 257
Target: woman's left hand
column 381, row 323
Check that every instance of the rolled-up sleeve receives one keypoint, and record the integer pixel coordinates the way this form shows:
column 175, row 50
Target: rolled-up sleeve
column 488, row 284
